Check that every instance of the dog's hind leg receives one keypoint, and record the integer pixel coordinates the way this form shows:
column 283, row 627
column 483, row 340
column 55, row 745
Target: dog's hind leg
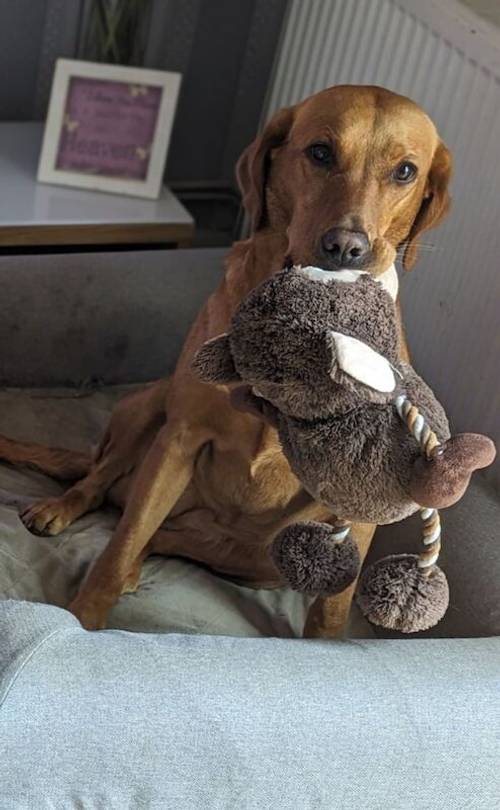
column 63, row 465
column 51, row 516
column 134, row 424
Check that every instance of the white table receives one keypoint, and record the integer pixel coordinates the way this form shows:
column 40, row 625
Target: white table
column 33, row 213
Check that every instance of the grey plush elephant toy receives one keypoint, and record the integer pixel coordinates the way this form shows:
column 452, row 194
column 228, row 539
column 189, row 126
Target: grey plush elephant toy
column 318, row 356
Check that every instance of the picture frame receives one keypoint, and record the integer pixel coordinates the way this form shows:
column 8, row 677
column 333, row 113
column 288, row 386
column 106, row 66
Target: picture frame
column 108, row 127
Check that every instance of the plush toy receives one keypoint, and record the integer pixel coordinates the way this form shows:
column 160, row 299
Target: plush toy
column 318, row 354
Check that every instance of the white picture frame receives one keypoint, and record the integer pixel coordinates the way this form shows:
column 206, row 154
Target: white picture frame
column 93, row 178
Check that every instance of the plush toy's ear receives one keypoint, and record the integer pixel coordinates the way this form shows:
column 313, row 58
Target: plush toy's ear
column 359, row 362
column 214, row 362
column 253, row 165
column 434, row 205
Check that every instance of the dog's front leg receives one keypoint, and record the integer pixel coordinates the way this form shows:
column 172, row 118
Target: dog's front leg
column 161, row 479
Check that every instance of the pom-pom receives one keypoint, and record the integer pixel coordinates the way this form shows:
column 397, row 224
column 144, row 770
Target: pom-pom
column 396, row 594
column 312, row 561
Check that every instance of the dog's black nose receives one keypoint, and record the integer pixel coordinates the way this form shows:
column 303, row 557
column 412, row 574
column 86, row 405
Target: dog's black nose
column 344, row 248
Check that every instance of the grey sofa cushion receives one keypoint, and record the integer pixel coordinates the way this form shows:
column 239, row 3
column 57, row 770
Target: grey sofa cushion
column 122, row 720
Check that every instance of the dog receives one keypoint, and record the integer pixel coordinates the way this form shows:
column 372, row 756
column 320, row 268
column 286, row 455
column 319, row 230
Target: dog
column 347, row 179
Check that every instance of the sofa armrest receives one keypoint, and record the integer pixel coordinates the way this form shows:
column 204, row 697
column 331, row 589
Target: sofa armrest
column 118, row 719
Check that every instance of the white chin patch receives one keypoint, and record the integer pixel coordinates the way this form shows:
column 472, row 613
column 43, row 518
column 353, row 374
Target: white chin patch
column 388, row 279
column 362, row 363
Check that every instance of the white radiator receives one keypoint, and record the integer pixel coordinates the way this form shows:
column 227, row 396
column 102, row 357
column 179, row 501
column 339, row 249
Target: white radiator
column 447, row 60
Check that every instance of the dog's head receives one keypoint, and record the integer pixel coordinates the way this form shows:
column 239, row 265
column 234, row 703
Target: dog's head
column 351, row 175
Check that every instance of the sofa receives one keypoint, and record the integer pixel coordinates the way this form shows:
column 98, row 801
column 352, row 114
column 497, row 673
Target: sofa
column 130, row 720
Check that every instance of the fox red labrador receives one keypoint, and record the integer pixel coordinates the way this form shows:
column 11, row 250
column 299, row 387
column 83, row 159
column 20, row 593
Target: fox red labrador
column 348, row 178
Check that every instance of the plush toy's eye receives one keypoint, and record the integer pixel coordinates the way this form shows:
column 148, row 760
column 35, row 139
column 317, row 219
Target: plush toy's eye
column 320, row 153
column 405, row 172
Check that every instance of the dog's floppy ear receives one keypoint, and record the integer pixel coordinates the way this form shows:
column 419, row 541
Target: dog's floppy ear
column 253, row 166
column 434, row 205
column 213, row 363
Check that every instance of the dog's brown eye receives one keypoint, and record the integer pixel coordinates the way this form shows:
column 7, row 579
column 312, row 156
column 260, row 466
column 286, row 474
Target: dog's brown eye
column 320, row 153
column 405, row 172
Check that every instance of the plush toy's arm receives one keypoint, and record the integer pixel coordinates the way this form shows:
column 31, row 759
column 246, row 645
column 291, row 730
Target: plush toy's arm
column 243, row 399
column 213, row 363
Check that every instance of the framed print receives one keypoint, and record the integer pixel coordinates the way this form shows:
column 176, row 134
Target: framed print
column 108, row 127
